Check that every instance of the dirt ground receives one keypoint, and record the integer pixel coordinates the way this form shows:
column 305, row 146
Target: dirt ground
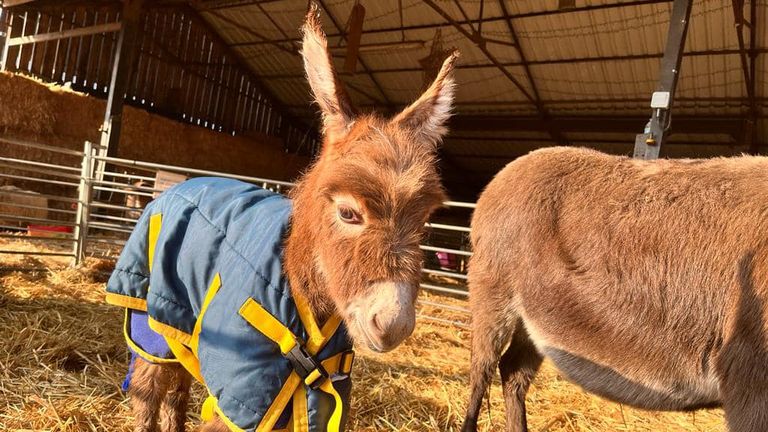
column 62, row 360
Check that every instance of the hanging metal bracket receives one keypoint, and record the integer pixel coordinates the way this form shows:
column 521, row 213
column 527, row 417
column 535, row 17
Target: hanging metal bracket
column 648, row 144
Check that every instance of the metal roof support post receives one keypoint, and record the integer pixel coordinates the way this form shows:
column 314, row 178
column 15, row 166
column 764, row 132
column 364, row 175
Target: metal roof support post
column 5, row 31
column 122, row 71
column 648, row 144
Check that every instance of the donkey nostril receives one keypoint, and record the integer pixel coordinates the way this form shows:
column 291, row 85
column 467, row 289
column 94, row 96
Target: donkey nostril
column 376, row 324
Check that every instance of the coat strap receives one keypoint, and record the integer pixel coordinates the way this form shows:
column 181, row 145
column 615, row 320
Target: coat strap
column 306, row 367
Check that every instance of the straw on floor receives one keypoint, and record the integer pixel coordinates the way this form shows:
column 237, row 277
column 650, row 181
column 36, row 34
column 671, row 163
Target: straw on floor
column 62, row 360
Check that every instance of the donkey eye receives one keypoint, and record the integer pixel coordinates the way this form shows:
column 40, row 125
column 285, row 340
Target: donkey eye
column 348, row 215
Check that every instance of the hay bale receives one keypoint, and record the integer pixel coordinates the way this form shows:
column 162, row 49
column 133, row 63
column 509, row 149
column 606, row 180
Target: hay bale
column 25, row 106
column 13, row 205
column 59, row 116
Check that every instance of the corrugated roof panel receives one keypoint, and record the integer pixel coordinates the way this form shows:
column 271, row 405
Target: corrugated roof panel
column 291, row 93
column 418, row 13
column 614, row 32
column 472, row 147
column 711, row 26
column 268, row 60
column 289, row 15
column 711, row 77
column 710, row 84
column 518, row 110
column 501, row 136
column 630, row 137
column 400, row 57
column 590, row 81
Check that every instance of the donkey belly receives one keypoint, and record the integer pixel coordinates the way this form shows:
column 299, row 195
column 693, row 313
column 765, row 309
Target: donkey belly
column 652, row 394
column 620, row 354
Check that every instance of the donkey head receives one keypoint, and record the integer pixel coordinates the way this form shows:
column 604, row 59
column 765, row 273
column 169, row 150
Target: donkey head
column 359, row 211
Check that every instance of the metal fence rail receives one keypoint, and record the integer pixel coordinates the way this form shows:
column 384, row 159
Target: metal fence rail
column 106, row 196
column 40, row 190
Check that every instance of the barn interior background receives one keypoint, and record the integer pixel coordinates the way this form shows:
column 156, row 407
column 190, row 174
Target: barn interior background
column 194, row 87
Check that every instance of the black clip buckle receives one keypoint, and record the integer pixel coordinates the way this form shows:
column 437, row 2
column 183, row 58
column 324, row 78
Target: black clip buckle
column 304, row 364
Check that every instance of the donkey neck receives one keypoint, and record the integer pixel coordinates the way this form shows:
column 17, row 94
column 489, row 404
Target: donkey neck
column 303, row 276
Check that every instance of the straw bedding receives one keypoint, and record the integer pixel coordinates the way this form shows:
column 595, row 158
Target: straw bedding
column 62, row 360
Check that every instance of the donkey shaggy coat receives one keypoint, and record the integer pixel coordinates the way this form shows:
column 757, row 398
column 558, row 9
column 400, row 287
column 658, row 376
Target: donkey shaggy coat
column 645, row 282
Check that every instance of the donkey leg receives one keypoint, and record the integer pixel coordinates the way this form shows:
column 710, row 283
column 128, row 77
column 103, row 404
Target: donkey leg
column 744, row 384
column 745, row 401
column 173, row 412
column 215, row 425
column 491, row 331
column 149, row 384
column 518, row 366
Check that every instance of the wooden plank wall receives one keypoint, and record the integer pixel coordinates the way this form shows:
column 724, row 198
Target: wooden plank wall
column 181, row 72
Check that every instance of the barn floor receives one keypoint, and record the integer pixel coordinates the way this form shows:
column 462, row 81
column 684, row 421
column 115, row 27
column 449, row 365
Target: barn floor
column 62, row 360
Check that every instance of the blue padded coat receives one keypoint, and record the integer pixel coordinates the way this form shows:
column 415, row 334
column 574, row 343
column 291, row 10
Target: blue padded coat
column 205, row 264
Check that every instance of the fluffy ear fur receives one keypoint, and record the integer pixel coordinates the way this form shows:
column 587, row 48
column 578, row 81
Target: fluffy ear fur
column 428, row 115
column 330, row 95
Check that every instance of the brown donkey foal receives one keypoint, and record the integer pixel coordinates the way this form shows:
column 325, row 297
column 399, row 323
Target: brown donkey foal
column 645, row 282
column 358, row 216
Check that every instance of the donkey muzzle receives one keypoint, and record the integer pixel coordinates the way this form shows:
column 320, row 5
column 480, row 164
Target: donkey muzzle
column 387, row 316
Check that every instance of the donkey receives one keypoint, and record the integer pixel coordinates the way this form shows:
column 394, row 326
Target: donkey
column 644, row 282
column 351, row 247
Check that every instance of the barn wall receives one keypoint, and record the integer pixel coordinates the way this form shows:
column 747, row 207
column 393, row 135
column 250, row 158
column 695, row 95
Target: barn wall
column 57, row 116
column 183, row 70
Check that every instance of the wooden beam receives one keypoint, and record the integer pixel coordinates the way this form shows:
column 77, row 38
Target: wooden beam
column 53, row 6
column 546, row 62
column 122, row 70
column 388, row 103
column 494, row 19
column 82, row 31
column 730, row 125
column 757, row 138
column 747, row 66
column 551, row 127
column 12, row 3
column 5, row 32
column 481, row 46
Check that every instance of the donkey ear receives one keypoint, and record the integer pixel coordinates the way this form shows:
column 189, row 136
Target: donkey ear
column 334, row 102
column 427, row 116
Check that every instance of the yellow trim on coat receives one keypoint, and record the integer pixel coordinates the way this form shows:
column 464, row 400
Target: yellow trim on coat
column 300, row 417
column 268, row 325
column 334, row 423
column 213, row 289
column 178, row 341
column 208, row 411
column 348, row 361
column 278, row 405
column 170, row 332
column 308, row 319
column 233, row 427
column 334, row 363
column 155, row 222
column 211, row 409
column 186, row 357
column 126, row 301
